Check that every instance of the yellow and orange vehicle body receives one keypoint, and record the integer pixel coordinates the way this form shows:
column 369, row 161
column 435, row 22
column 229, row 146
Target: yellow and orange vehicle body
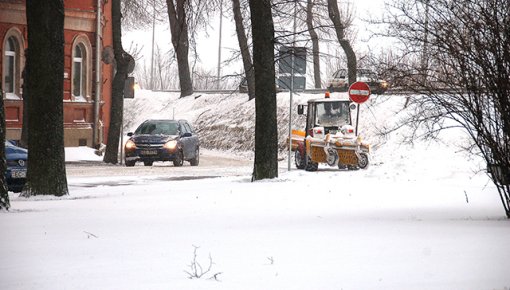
column 346, row 148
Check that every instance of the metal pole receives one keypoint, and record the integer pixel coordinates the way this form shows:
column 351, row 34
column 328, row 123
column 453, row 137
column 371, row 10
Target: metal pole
column 291, row 86
column 219, row 47
column 97, row 139
column 122, row 140
column 357, row 119
column 153, row 37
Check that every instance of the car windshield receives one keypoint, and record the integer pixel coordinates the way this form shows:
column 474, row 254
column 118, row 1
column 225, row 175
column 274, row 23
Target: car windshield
column 366, row 73
column 333, row 114
column 158, row 128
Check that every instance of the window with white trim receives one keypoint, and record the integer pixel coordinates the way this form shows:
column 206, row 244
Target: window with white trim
column 11, row 67
column 79, row 71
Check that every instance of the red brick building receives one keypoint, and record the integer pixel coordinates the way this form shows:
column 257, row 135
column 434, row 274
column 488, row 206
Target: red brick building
column 88, row 68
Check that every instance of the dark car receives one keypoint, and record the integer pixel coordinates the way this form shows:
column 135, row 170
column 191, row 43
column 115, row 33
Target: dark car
column 163, row 140
column 16, row 173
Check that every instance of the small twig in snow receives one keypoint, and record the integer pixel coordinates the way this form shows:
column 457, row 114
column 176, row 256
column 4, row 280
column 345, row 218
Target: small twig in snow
column 215, row 276
column 90, row 235
column 197, row 271
column 271, row 260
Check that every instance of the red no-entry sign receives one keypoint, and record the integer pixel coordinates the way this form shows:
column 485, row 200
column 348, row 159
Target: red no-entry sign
column 359, row 92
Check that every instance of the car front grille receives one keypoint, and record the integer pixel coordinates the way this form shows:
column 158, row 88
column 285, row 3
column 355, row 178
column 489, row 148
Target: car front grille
column 145, row 145
column 17, row 162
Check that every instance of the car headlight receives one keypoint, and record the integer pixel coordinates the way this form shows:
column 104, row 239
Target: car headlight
column 130, row 145
column 170, row 145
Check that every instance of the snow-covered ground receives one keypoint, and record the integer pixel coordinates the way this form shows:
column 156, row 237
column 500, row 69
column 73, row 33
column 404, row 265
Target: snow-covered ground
column 420, row 217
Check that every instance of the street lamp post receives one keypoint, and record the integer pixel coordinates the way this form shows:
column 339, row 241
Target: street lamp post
column 153, row 37
column 219, row 47
column 292, row 85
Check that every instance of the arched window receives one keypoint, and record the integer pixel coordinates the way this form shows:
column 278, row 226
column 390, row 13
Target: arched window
column 79, row 71
column 11, row 66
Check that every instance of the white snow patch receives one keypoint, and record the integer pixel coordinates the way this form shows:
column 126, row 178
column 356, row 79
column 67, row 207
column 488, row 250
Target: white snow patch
column 421, row 217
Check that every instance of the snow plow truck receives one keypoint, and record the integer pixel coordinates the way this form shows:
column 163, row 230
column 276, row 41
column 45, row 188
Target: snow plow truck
column 329, row 136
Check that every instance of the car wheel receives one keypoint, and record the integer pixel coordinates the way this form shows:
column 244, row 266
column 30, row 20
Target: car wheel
column 130, row 163
column 148, row 163
column 194, row 161
column 179, row 159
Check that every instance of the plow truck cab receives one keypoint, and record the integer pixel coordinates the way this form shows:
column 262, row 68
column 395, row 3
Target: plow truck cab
column 329, row 136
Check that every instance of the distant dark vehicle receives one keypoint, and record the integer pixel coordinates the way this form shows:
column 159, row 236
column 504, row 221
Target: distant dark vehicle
column 16, row 173
column 340, row 81
column 163, row 140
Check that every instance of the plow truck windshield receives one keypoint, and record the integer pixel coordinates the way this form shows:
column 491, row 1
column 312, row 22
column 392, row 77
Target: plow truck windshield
column 333, row 114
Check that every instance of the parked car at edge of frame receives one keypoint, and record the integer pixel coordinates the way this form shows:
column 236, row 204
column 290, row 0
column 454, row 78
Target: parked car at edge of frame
column 163, row 140
column 16, row 161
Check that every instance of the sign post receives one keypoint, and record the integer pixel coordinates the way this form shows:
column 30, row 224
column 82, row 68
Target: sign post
column 359, row 92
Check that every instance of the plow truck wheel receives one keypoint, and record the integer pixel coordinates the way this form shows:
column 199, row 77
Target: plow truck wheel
column 299, row 157
column 363, row 160
column 310, row 165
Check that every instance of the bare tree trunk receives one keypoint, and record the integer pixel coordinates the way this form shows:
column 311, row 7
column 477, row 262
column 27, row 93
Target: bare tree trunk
column 180, row 42
column 4, row 194
column 245, row 50
column 46, row 174
column 315, row 45
column 122, row 59
column 334, row 15
column 266, row 134
column 23, row 142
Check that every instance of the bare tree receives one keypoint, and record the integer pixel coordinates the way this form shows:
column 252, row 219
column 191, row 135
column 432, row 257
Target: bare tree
column 46, row 174
column 266, row 135
column 23, row 142
column 340, row 27
column 122, row 60
column 245, row 49
column 187, row 18
column 142, row 13
column 177, row 13
column 4, row 194
column 466, row 80
column 165, row 73
column 315, row 44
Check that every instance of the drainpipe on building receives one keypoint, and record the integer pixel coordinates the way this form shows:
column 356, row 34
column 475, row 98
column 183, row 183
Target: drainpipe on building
column 97, row 138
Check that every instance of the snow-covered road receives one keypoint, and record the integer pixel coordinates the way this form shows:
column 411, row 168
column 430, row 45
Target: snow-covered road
column 211, row 164
column 91, row 173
